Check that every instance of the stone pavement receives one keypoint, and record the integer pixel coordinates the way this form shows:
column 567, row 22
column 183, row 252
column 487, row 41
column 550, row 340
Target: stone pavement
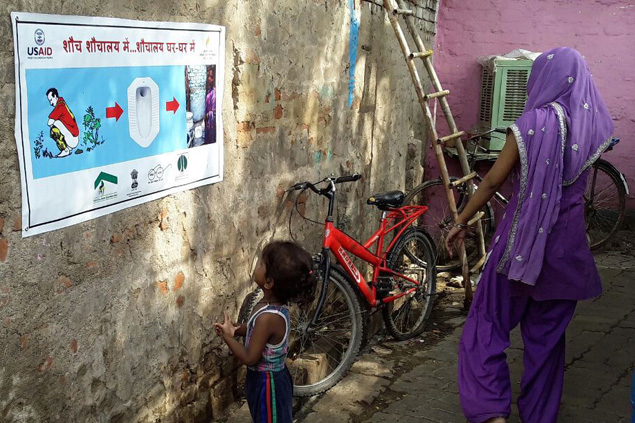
column 415, row 381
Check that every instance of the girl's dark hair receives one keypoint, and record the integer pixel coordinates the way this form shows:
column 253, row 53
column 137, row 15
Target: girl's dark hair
column 291, row 269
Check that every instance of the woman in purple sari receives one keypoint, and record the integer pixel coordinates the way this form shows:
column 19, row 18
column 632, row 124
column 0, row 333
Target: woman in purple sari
column 210, row 108
column 539, row 264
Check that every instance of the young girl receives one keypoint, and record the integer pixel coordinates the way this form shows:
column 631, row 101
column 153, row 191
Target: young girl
column 284, row 273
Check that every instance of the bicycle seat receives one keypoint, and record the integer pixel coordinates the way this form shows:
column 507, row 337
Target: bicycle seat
column 387, row 200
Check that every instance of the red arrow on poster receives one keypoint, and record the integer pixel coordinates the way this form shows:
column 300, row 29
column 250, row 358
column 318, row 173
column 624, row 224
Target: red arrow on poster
column 172, row 106
column 114, row 112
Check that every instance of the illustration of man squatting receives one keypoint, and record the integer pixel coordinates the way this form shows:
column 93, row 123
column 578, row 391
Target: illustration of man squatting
column 64, row 130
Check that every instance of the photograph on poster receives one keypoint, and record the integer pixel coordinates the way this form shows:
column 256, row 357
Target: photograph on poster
column 200, row 95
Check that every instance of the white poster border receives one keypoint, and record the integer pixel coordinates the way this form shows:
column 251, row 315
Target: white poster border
column 21, row 121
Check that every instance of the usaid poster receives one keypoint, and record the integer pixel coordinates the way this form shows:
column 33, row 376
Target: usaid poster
column 111, row 113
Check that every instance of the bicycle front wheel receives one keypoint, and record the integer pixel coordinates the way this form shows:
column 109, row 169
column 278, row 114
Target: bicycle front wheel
column 413, row 257
column 319, row 355
column 605, row 201
column 437, row 221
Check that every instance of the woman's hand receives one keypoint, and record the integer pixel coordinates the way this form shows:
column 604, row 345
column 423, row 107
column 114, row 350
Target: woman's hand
column 227, row 328
column 456, row 237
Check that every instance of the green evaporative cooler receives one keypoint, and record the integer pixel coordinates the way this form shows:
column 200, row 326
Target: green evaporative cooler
column 503, row 97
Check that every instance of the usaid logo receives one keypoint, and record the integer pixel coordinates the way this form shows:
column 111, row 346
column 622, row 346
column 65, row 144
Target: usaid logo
column 39, row 37
column 40, row 51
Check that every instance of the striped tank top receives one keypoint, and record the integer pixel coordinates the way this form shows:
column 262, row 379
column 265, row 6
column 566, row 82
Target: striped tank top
column 273, row 356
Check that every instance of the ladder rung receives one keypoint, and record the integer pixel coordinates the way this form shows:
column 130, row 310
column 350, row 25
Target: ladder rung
column 450, row 137
column 405, row 12
column 476, row 218
column 435, row 95
column 463, row 179
column 422, row 54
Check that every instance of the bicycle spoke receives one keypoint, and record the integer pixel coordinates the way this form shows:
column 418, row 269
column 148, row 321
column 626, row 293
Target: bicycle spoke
column 333, row 321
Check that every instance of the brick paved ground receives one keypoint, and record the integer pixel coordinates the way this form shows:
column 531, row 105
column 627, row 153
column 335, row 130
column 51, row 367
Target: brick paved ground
column 415, row 381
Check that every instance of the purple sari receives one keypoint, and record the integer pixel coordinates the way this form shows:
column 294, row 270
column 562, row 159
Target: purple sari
column 210, row 116
column 539, row 263
column 563, row 130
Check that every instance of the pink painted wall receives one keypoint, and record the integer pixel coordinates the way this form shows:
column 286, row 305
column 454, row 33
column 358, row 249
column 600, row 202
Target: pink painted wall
column 602, row 30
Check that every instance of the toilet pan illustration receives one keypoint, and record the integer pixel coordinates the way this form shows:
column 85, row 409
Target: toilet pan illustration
column 143, row 111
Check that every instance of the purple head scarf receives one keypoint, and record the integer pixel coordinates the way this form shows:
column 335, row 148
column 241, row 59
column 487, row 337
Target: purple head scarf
column 563, row 130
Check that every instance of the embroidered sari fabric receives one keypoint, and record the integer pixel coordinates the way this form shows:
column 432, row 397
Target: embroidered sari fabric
column 563, row 130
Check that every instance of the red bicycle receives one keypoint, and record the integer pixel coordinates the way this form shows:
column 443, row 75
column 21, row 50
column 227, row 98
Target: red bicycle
column 326, row 334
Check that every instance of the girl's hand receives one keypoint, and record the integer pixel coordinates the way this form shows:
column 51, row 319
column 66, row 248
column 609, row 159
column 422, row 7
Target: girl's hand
column 456, row 237
column 227, row 328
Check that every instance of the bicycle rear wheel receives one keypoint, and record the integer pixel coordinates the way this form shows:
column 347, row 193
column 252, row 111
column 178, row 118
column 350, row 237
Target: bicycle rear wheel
column 319, row 355
column 437, row 221
column 605, row 201
column 412, row 256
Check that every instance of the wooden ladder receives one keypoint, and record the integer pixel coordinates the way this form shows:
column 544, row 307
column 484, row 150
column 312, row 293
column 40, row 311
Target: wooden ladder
column 396, row 11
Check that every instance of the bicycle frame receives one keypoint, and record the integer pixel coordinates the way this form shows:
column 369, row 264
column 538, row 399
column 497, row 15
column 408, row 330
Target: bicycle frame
column 339, row 243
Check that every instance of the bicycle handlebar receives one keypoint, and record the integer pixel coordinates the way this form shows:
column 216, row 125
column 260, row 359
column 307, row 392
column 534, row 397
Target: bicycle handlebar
column 338, row 180
column 482, row 134
column 348, row 178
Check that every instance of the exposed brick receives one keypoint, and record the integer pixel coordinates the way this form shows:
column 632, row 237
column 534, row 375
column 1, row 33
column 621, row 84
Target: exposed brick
column 17, row 223
column 24, row 342
column 180, row 301
column 4, row 249
column 178, row 281
column 163, row 224
column 277, row 94
column 115, row 238
column 252, row 57
column 277, row 113
column 48, row 362
column 302, row 204
column 74, row 346
column 291, row 96
column 91, row 264
column 266, row 130
column 163, row 287
column 64, row 282
column 245, row 126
